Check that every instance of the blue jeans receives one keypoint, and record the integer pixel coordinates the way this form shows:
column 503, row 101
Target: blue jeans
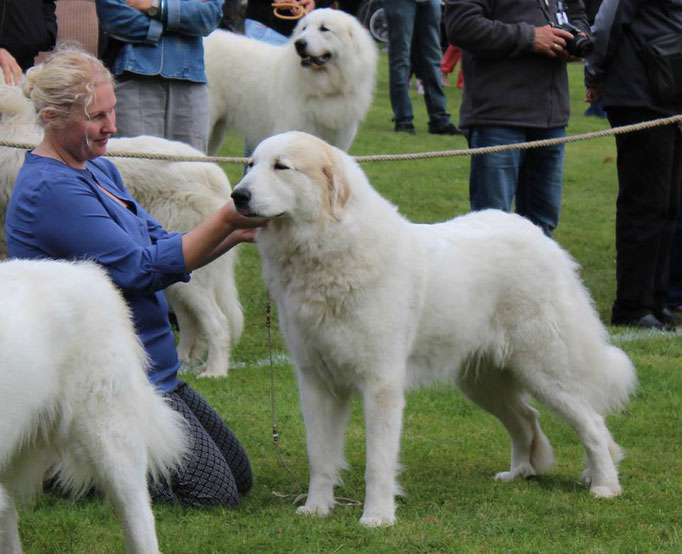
column 533, row 177
column 414, row 28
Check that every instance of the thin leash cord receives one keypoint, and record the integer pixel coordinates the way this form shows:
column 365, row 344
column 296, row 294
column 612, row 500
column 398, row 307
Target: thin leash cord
column 275, row 434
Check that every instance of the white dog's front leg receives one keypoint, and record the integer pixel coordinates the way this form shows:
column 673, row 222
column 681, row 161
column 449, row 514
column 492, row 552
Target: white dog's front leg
column 383, row 406
column 325, row 414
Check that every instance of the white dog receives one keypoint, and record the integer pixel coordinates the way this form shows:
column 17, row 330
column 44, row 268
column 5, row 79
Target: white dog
column 373, row 304
column 320, row 82
column 179, row 195
column 74, row 390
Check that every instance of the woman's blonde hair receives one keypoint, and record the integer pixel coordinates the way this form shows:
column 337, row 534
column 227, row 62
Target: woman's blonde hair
column 64, row 82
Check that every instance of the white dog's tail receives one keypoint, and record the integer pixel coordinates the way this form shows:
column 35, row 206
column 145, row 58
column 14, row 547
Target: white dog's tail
column 619, row 379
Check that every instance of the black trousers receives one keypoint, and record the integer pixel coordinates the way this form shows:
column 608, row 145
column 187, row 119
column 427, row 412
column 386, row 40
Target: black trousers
column 649, row 189
column 217, row 469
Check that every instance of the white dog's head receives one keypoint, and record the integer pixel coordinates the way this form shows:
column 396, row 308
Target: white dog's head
column 327, row 37
column 294, row 176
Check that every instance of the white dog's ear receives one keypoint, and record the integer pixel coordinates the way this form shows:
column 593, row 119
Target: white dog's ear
column 338, row 188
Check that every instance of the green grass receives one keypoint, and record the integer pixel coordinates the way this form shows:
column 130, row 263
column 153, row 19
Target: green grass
column 450, row 448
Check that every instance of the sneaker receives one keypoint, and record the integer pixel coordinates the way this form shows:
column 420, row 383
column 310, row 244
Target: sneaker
column 404, row 128
column 447, row 129
column 420, row 87
column 444, row 80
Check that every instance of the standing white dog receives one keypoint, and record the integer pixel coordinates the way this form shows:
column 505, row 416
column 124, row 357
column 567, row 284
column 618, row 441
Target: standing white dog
column 73, row 389
column 320, row 82
column 371, row 303
column 179, row 195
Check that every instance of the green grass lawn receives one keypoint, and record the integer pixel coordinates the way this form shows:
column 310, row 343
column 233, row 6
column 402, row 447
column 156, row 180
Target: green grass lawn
column 450, row 449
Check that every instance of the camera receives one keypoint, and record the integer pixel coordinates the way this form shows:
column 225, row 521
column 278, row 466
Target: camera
column 578, row 46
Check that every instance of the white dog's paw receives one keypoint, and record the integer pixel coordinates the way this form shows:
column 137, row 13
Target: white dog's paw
column 586, row 478
column 519, row 472
column 313, row 510
column 213, row 374
column 377, row 521
column 606, row 491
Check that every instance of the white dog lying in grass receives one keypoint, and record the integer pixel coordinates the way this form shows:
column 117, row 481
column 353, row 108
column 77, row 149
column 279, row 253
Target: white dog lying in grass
column 74, row 390
column 179, row 195
column 321, row 81
column 372, row 304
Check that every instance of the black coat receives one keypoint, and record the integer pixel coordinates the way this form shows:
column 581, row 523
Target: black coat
column 27, row 27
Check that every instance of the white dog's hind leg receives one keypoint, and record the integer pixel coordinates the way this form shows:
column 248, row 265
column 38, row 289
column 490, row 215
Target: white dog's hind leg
column 383, row 406
column 122, row 473
column 9, row 532
column 497, row 392
column 188, row 343
column 325, row 414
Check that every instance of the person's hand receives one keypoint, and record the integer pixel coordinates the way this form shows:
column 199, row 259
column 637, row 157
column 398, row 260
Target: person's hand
column 551, row 41
column 239, row 221
column 302, row 7
column 592, row 94
column 10, row 68
column 141, row 5
column 243, row 235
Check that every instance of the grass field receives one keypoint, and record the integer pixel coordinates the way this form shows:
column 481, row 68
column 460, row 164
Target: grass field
column 450, row 449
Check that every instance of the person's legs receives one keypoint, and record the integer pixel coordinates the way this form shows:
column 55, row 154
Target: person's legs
column 427, row 58
column 646, row 210
column 538, row 195
column 205, row 479
column 187, row 116
column 400, row 16
column 222, row 435
column 493, row 177
column 140, row 106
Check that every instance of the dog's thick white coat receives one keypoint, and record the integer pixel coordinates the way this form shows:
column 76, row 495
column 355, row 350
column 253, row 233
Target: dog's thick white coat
column 259, row 89
column 370, row 303
column 75, row 393
column 179, row 195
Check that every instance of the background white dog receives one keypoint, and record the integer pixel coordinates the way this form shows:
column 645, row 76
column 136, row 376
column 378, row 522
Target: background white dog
column 179, row 195
column 370, row 303
column 73, row 389
column 320, row 82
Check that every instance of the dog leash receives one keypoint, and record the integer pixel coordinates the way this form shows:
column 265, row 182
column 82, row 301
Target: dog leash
column 297, row 9
column 275, row 434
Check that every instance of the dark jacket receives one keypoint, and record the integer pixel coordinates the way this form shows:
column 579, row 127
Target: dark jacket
column 506, row 84
column 27, row 27
column 622, row 30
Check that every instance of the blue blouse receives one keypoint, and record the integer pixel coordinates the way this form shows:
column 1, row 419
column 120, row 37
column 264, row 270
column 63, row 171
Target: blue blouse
column 60, row 212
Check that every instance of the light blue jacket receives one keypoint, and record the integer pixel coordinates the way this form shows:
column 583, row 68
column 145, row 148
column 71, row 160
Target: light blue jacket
column 171, row 47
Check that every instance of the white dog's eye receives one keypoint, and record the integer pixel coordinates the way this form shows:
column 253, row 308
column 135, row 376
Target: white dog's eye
column 323, row 29
column 249, row 164
column 280, row 166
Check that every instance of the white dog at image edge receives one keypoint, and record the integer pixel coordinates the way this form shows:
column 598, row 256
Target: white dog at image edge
column 370, row 303
column 75, row 393
column 321, row 81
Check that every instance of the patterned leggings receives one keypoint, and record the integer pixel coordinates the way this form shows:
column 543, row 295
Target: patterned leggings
column 217, row 469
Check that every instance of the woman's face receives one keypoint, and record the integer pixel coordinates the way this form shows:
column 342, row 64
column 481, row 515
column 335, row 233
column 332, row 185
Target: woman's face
column 85, row 135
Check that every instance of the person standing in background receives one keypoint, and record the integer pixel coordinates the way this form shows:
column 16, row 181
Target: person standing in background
column 27, row 27
column 414, row 27
column 649, row 161
column 514, row 57
column 157, row 56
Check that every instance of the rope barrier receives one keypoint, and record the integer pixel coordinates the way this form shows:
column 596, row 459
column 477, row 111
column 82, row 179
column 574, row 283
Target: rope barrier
column 400, row 157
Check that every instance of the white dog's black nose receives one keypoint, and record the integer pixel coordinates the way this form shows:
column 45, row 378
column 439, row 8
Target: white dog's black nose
column 241, row 198
column 301, row 45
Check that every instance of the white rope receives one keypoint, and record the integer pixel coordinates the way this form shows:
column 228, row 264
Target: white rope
column 400, row 157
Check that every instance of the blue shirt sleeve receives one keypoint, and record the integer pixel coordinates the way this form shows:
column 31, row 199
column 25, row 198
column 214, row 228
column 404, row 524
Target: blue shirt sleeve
column 70, row 221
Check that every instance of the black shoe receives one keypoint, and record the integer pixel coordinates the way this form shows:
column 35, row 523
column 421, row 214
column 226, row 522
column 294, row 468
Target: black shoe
column 669, row 317
column 648, row 321
column 405, row 128
column 448, row 129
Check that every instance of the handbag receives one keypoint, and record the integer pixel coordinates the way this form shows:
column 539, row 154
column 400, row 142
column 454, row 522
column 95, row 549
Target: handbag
column 664, row 66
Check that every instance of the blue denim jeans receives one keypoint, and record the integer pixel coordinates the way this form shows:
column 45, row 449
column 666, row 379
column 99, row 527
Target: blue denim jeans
column 414, row 43
column 532, row 177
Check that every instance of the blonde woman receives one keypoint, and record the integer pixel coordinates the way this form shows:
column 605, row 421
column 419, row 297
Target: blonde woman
column 69, row 203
